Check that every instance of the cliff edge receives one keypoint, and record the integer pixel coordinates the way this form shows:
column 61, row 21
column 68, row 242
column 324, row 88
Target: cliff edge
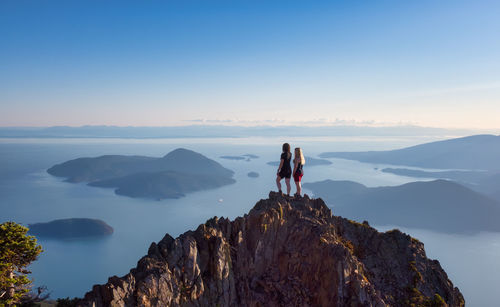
column 284, row 252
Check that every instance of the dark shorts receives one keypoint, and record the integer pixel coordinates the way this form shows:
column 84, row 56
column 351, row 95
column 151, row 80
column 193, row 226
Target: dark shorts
column 297, row 177
column 285, row 174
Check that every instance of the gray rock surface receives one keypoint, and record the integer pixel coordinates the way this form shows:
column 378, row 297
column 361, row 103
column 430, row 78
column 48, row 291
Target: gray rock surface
column 284, row 252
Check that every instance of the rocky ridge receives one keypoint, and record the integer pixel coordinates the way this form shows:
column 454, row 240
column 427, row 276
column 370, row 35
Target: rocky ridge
column 284, row 252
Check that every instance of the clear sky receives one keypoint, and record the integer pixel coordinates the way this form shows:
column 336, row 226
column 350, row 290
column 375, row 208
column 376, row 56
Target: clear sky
column 162, row 63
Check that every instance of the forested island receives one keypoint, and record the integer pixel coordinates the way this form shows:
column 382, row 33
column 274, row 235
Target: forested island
column 438, row 205
column 179, row 172
column 71, row 228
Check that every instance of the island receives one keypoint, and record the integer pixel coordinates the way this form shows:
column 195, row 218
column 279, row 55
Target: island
column 253, row 174
column 246, row 157
column 251, row 156
column 485, row 182
column 161, row 185
column 71, row 228
column 473, row 161
column 477, row 152
column 488, row 185
column 438, row 205
column 309, row 162
column 460, row 176
column 179, row 172
column 233, row 157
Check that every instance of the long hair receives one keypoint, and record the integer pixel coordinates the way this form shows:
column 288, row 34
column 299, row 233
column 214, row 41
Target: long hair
column 286, row 147
column 299, row 156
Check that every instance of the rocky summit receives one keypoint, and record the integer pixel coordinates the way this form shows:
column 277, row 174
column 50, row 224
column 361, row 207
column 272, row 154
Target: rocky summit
column 284, row 252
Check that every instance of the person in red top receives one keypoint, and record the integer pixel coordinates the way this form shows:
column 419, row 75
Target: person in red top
column 298, row 171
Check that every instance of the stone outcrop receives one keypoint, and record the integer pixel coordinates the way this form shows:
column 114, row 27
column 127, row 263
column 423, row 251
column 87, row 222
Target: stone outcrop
column 284, row 252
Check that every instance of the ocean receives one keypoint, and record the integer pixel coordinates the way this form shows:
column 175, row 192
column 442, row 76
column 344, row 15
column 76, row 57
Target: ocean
column 69, row 268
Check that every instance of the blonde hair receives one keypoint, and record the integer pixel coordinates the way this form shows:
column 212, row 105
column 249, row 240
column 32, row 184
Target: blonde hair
column 299, row 155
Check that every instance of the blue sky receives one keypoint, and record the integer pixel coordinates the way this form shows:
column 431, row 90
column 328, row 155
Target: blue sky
column 162, row 63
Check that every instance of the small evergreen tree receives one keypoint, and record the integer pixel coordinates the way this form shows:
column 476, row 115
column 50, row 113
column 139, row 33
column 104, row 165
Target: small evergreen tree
column 17, row 251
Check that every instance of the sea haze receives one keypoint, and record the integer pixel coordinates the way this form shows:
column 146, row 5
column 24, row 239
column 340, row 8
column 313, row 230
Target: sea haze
column 28, row 194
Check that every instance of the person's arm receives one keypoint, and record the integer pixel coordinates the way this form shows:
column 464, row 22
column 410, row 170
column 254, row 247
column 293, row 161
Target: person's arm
column 281, row 165
column 295, row 165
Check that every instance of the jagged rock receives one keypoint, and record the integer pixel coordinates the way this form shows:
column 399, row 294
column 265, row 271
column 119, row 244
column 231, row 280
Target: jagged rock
column 284, row 252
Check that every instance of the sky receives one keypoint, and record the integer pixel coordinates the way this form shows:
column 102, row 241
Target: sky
column 168, row 63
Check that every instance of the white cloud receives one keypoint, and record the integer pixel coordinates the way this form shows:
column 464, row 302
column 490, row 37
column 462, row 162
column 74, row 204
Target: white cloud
column 308, row 122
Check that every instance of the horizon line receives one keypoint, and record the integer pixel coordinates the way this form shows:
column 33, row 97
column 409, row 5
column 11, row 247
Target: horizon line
column 252, row 126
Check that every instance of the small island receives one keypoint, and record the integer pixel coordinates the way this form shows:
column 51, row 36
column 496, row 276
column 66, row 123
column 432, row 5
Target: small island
column 253, row 174
column 232, row 157
column 71, row 228
column 309, row 162
column 179, row 172
column 251, row 156
column 246, row 157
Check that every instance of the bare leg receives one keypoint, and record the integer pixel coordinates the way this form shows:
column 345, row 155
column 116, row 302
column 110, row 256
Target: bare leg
column 297, row 184
column 278, row 183
column 288, row 187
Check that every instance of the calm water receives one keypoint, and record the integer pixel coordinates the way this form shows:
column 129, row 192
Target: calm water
column 70, row 268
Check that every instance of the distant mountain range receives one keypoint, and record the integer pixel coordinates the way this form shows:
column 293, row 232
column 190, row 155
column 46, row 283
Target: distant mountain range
column 438, row 205
column 201, row 131
column 477, row 152
column 180, row 171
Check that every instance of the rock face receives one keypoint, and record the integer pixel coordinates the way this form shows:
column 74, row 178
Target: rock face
column 284, row 252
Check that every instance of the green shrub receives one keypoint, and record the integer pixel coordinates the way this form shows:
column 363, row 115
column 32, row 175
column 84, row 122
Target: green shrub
column 17, row 251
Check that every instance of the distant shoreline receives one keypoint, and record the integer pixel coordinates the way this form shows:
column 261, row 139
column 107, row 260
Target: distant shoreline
column 123, row 137
column 221, row 131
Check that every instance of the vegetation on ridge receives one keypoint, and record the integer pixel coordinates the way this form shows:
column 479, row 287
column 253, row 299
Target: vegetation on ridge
column 17, row 251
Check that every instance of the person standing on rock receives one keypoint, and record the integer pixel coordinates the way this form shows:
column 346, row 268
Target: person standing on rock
column 284, row 169
column 298, row 172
